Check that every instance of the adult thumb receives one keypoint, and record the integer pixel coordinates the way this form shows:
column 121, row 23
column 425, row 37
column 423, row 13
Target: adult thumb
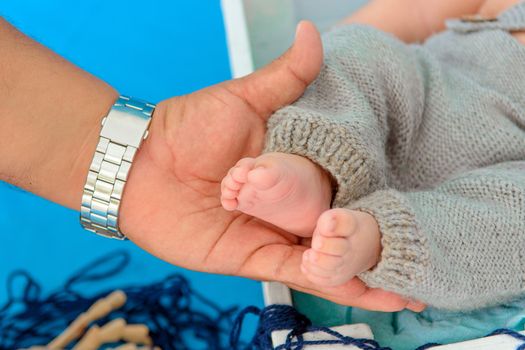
column 284, row 80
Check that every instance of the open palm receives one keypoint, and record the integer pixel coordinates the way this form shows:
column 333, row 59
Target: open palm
column 171, row 205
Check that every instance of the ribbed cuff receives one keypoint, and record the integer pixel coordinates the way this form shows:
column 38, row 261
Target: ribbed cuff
column 404, row 257
column 332, row 145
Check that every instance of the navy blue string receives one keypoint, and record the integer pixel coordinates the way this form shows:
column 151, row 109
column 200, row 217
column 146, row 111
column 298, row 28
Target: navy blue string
column 175, row 313
column 271, row 318
column 178, row 316
column 501, row 331
column 283, row 317
column 511, row 333
column 428, row 346
column 279, row 317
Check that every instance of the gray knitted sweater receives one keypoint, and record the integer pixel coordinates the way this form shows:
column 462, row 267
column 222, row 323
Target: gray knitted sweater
column 430, row 139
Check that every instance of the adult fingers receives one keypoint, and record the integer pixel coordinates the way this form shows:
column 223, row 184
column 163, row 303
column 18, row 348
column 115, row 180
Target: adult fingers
column 285, row 79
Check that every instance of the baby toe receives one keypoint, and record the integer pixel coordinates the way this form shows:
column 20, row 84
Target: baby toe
column 229, row 193
column 230, row 183
column 246, row 198
column 314, row 268
column 239, row 172
column 312, row 277
column 330, row 245
column 247, row 162
column 315, row 277
column 263, row 177
column 229, row 204
column 322, row 260
column 337, row 223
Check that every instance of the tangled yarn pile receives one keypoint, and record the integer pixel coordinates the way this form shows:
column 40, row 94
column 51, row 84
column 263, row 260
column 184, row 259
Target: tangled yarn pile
column 176, row 314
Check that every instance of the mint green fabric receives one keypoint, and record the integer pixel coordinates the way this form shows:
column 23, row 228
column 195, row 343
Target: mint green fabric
column 407, row 330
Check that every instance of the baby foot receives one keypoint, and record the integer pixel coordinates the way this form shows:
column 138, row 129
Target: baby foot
column 345, row 243
column 286, row 190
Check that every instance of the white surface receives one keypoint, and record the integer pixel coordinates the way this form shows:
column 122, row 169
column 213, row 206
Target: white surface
column 355, row 331
column 258, row 31
column 241, row 61
column 271, row 28
column 276, row 293
column 497, row 342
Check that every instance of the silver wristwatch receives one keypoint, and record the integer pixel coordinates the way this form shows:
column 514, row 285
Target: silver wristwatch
column 123, row 130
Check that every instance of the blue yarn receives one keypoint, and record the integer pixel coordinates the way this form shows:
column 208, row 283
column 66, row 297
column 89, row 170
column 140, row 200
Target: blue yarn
column 428, row 346
column 279, row 317
column 271, row 318
column 282, row 317
column 167, row 307
column 235, row 333
column 511, row 333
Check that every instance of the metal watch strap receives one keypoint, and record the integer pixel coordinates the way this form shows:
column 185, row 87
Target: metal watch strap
column 123, row 130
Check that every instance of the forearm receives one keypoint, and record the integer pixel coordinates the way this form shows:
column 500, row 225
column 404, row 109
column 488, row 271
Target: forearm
column 412, row 20
column 51, row 112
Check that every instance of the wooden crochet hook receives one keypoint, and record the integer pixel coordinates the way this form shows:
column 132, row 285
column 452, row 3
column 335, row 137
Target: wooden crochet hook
column 99, row 309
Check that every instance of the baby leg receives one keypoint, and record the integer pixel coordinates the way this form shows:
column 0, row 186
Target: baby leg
column 286, row 190
column 344, row 244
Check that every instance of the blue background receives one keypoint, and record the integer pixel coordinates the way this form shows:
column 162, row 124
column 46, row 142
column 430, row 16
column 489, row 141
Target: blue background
column 151, row 50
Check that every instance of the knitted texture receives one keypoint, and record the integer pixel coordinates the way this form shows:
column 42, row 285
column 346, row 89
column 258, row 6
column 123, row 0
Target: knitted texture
column 430, row 139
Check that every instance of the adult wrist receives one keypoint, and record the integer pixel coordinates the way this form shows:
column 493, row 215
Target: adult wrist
column 154, row 153
column 122, row 132
column 87, row 136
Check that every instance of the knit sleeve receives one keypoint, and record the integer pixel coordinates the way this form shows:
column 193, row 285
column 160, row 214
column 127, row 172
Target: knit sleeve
column 458, row 246
column 370, row 92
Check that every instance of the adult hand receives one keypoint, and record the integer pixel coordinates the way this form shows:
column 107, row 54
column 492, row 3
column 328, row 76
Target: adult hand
column 171, row 204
